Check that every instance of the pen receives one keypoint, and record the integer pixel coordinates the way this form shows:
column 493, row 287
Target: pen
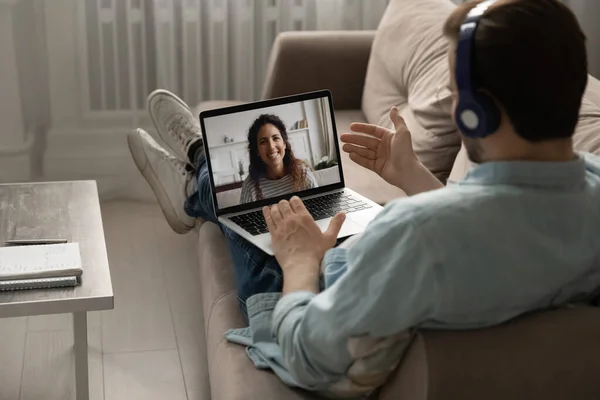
column 26, row 242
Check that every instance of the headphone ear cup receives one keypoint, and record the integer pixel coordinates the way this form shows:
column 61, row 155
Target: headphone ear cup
column 470, row 116
column 477, row 115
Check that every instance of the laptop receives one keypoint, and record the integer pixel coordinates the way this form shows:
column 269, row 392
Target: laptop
column 260, row 153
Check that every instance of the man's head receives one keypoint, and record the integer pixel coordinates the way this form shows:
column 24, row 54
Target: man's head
column 530, row 57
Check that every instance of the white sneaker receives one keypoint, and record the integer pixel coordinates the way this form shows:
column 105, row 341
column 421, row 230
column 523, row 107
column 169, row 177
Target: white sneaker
column 174, row 121
column 170, row 179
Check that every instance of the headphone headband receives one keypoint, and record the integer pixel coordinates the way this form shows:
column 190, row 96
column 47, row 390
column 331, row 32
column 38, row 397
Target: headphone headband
column 476, row 113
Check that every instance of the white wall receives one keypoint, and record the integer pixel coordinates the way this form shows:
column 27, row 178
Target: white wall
column 236, row 126
column 315, row 129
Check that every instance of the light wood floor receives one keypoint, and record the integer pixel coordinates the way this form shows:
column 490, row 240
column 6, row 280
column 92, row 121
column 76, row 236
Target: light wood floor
column 151, row 346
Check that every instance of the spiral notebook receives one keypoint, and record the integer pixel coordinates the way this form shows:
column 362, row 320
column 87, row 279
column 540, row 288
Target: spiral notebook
column 40, row 266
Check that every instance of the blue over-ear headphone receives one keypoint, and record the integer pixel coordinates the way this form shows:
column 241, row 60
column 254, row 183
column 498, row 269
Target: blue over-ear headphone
column 476, row 113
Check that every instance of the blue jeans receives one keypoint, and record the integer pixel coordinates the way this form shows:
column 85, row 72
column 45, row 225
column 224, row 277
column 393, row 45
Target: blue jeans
column 255, row 271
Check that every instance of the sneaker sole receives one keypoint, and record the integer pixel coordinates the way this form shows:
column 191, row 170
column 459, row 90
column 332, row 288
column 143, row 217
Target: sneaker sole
column 141, row 161
column 151, row 96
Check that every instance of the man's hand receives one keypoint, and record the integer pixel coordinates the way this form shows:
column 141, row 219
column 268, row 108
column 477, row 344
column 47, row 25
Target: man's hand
column 390, row 154
column 298, row 242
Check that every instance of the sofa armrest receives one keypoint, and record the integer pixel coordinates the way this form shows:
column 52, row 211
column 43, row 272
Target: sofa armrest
column 307, row 61
column 232, row 375
column 550, row 355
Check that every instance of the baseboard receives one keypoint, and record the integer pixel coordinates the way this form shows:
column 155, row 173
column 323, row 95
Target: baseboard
column 100, row 155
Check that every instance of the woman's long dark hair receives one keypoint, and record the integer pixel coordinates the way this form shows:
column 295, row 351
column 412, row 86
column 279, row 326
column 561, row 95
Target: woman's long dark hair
column 258, row 169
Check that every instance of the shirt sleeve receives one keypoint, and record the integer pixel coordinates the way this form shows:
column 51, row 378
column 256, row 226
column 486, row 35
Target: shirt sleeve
column 388, row 287
column 247, row 192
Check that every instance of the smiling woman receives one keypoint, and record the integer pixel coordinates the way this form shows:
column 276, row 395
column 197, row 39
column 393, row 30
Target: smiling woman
column 274, row 170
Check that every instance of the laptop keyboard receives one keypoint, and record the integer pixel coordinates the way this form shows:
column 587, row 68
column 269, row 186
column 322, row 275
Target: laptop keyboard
column 319, row 207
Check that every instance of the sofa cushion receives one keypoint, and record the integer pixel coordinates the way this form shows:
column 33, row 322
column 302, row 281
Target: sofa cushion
column 461, row 165
column 587, row 133
column 408, row 68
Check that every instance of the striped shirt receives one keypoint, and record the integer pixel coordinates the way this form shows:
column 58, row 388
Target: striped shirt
column 272, row 188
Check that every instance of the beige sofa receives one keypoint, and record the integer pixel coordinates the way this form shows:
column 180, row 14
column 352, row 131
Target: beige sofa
column 549, row 355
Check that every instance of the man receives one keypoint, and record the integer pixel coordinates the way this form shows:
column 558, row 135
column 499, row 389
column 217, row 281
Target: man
column 521, row 232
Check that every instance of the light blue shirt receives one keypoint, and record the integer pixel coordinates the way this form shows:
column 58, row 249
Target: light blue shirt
column 510, row 238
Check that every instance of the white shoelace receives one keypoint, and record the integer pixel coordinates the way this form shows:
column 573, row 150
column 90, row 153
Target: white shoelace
column 183, row 129
column 180, row 166
column 190, row 185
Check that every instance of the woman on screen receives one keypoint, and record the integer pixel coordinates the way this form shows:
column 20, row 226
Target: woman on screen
column 274, row 170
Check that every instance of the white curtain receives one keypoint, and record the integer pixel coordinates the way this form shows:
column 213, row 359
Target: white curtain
column 213, row 49
column 588, row 14
column 200, row 49
column 74, row 74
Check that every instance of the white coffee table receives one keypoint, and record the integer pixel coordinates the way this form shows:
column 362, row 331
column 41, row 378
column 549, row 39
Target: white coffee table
column 60, row 210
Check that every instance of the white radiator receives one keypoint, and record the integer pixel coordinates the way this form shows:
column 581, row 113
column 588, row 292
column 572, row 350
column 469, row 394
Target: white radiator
column 200, row 49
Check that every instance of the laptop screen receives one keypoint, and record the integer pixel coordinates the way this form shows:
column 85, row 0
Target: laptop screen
column 272, row 150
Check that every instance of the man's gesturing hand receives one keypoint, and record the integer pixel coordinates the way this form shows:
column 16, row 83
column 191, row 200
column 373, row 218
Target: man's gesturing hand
column 388, row 153
column 298, row 242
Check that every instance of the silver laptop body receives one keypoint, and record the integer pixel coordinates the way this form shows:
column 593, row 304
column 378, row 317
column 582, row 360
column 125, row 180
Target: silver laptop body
column 312, row 136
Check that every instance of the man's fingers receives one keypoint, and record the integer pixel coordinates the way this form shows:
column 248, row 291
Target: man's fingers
column 361, row 151
column 268, row 219
column 362, row 161
column 276, row 215
column 396, row 118
column 369, row 129
column 359, row 140
column 297, row 205
column 335, row 226
column 285, row 208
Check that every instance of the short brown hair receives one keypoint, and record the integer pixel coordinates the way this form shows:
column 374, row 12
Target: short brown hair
column 530, row 56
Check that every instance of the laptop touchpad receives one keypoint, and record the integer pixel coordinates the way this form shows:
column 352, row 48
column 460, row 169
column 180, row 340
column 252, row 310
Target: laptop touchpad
column 349, row 228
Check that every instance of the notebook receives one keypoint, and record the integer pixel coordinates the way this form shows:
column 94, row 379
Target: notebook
column 40, row 266
column 42, row 283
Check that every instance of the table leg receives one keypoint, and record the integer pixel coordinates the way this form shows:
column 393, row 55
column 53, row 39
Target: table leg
column 82, row 389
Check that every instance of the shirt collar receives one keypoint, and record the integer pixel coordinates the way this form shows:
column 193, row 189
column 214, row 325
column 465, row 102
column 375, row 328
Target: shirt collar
column 528, row 173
